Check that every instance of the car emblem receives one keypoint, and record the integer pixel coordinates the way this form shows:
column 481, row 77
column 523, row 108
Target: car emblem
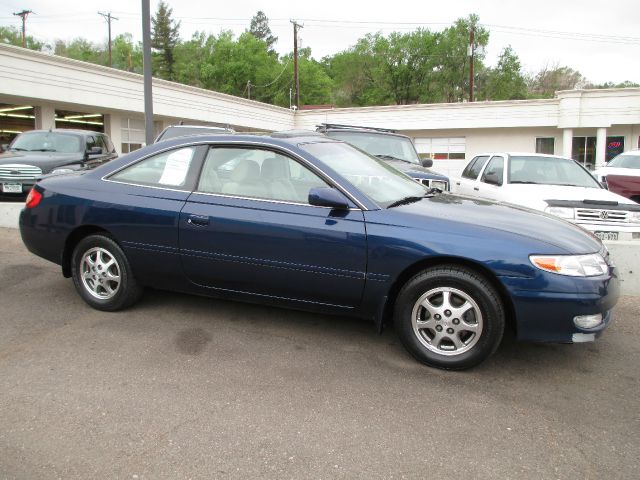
column 604, row 214
column 14, row 172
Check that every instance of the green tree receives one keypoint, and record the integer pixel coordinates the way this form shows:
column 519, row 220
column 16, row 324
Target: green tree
column 13, row 36
column 260, row 29
column 126, row 54
column 164, row 38
column 81, row 49
column 506, row 81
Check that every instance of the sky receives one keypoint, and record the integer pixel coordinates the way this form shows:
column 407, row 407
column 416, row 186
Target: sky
column 600, row 40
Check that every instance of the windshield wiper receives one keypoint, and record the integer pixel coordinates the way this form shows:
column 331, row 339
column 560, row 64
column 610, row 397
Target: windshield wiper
column 405, row 201
column 42, row 150
column 18, row 149
column 524, row 181
column 390, row 157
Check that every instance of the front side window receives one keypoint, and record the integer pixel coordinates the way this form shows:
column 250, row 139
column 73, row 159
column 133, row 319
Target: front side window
column 475, row 166
column 256, row 173
column 494, row 171
column 168, row 169
column 380, row 182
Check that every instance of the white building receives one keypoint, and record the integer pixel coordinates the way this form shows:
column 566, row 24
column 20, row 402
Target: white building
column 38, row 90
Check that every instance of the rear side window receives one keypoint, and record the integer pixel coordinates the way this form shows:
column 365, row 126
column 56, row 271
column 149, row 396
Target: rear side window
column 168, row 170
column 473, row 169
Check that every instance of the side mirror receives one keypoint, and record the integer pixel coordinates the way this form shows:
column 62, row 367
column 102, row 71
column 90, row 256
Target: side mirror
column 426, row 162
column 493, row 178
column 328, row 197
column 94, row 151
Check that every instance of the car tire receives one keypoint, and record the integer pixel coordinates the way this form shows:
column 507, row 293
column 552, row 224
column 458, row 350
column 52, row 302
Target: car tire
column 449, row 317
column 102, row 274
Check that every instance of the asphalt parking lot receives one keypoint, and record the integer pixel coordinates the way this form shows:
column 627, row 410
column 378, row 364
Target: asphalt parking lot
column 187, row 387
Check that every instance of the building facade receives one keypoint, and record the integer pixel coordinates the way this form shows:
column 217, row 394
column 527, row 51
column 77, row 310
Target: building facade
column 38, row 90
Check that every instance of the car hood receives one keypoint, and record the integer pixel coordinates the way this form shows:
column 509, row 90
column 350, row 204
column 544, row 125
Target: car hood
column 44, row 160
column 464, row 215
column 625, row 172
column 413, row 170
column 535, row 196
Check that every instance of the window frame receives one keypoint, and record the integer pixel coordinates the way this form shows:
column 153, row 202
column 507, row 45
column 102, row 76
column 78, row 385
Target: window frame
column 472, row 164
column 485, row 169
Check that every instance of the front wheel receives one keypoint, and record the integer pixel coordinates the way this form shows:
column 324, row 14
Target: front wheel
column 449, row 317
column 102, row 274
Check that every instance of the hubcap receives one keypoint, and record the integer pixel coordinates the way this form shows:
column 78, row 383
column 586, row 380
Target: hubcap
column 447, row 321
column 100, row 273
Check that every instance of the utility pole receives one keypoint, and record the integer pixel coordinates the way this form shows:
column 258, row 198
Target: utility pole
column 24, row 14
column 249, row 89
column 471, row 54
column 146, row 68
column 108, row 18
column 296, row 77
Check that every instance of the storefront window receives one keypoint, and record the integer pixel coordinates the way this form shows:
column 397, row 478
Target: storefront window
column 545, row 145
column 615, row 146
column 584, row 151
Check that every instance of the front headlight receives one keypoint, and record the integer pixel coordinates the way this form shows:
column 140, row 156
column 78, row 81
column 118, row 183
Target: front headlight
column 590, row 265
column 634, row 217
column 562, row 212
column 439, row 184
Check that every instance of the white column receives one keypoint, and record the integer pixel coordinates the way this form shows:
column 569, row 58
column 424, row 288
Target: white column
column 567, row 142
column 601, row 146
column 45, row 117
column 113, row 128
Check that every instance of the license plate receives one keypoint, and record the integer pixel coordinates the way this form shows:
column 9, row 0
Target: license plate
column 12, row 187
column 606, row 235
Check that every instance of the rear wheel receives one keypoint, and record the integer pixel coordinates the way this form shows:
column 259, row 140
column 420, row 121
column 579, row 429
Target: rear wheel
column 102, row 274
column 449, row 317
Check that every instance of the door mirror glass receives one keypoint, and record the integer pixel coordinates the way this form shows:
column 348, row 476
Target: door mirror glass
column 493, row 178
column 426, row 162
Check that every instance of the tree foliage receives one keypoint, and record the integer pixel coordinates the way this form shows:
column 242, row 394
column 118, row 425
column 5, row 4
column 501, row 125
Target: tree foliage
column 260, row 29
column 421, row 66
column 13, row 36
column 164, row 38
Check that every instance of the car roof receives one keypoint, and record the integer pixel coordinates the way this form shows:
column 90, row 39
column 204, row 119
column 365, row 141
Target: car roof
column 283, row 138
column 520, row 154
column 66, row 130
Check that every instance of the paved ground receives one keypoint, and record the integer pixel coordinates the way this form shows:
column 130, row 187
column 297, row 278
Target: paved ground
column 186, row 387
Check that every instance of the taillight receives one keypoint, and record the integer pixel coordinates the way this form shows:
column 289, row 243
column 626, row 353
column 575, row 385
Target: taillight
column 33, row 199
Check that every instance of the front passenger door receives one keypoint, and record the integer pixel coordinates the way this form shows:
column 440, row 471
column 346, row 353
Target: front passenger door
column 248, row 228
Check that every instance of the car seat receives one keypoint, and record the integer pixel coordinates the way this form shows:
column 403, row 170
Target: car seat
column 275, row 177
column 245, row 180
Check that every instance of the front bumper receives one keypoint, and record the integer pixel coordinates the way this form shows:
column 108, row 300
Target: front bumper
column 548, row 316
column 624, row 231
column 25, row 186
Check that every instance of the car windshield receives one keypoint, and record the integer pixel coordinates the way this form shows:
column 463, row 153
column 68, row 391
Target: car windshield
column 381, row 183
column 549, row 171
column 380, row 145
column 625, row 161
column 47, row 142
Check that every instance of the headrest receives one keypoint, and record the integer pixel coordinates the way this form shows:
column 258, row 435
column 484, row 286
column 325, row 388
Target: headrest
column 246, row 170
column 274, row 168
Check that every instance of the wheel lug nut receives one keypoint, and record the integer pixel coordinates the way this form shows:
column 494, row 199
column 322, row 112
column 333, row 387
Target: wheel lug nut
column 450, row 331
column 447, row 313
column 439, row 328
column 437, row 316
column 456, row 321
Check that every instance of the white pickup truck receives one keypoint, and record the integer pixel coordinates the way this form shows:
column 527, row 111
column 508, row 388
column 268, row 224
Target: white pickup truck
column 556, row 185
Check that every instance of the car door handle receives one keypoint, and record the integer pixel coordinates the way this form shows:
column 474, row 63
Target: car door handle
column 198, row 220
column 476, row 188
column 457, row 183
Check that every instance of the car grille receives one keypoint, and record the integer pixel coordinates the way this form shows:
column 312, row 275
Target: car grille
column 441, row 184
column 604, row 216
column 19, row 172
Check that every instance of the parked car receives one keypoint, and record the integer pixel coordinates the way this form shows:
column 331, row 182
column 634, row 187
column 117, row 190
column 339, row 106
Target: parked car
column 622, row 175
column 316, row 224
column 40, row 152
column 175, row 131
column 556, row 185
column 395, row 149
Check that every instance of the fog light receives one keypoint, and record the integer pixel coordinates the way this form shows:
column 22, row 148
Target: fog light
column 587, row 321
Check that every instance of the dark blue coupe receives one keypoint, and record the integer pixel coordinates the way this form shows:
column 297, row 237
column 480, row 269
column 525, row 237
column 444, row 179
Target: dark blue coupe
column 312, row 223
